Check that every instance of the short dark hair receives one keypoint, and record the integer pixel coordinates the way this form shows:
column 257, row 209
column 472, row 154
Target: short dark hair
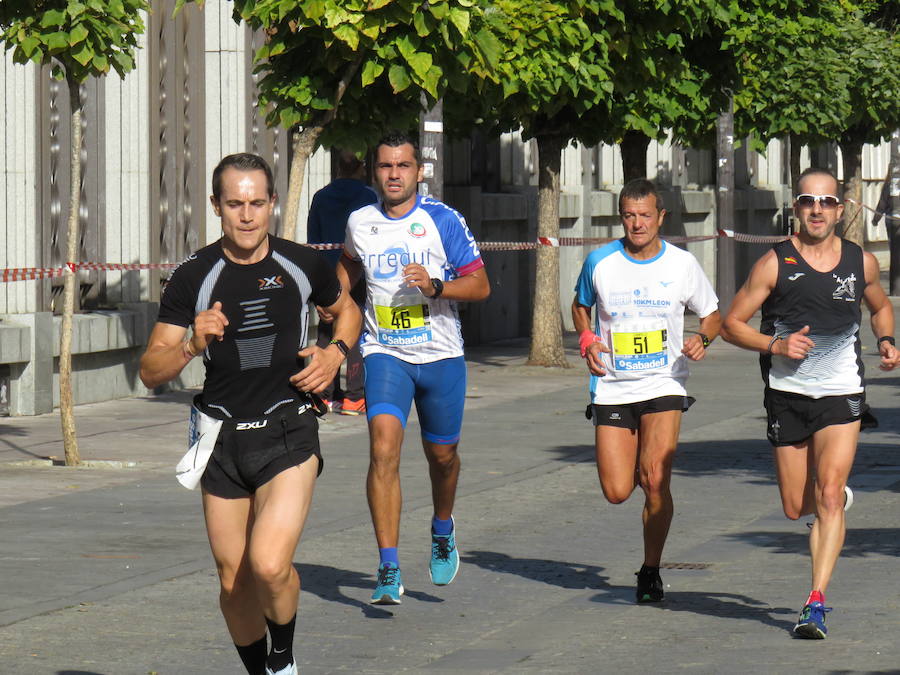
column 394, row 139
column 242, row 161
column 348, row 163
column 816, row 171
column 639, row 188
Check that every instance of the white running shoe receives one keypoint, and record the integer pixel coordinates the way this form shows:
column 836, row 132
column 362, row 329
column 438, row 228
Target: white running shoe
column 848, row 498
column 289, row 669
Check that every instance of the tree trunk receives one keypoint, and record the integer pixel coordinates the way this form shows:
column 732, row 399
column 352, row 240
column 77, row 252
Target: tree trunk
column 304, row 145
column 854, row 222
column 796, row 146
column 634, row 154
column 66, row 407
column 892, row 217
column 794, row 161
column 546, row 322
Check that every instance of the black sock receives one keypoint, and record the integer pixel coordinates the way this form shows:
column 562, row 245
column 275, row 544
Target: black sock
column 646, row 569
column 254, row 656
column 282, row 653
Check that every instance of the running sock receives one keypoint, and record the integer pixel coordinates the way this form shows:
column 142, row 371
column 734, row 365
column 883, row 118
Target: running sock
column 389, row 555
column 253, row 656
column 442, row 527
column 815, row 596
column 282, row 653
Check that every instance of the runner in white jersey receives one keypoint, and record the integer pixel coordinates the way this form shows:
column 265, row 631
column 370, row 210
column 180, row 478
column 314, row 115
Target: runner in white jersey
column 419, row 259
column 810, row 288
column 639, row 287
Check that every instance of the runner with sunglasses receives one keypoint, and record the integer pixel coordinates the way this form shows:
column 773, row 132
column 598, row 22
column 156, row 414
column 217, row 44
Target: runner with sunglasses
column 810, row 288
column 640, row 287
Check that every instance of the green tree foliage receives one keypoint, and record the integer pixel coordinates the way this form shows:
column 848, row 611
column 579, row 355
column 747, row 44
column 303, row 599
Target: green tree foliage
column 589, row 71
column 341, row 70
column 826, row 74
column 80, row 39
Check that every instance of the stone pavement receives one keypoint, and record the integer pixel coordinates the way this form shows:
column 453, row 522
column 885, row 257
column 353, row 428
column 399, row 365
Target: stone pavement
column 106, row 569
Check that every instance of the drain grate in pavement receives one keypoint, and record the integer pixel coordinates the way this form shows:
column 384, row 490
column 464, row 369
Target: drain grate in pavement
column 685, row 566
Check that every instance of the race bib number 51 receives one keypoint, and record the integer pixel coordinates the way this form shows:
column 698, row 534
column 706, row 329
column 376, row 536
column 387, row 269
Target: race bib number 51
column 400, row 325
column 638, row 346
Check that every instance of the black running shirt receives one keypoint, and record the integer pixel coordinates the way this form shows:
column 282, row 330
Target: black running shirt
column 266, row 304
column 827, row 302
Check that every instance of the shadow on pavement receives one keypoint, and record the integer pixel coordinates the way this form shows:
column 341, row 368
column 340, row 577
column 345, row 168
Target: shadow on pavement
column 326, row 582
column 577, row 454
column 554, row 572
column 722, row 605
column 860, row 542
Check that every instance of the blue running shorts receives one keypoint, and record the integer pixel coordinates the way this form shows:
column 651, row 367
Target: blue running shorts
column 438, row 388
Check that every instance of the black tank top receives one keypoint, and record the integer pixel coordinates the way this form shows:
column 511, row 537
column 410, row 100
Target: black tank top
column 827, row 302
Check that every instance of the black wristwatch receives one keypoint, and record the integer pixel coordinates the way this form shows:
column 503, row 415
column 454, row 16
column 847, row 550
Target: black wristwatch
column 887, row 338
column 705, row 339
column 341, row 345
column 438, row 288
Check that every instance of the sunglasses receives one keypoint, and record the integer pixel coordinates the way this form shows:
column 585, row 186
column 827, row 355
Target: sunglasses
column 827, row 201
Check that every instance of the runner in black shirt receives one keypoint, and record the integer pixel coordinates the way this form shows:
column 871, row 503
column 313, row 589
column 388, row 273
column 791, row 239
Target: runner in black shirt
column 810, row 288
column 246, row 298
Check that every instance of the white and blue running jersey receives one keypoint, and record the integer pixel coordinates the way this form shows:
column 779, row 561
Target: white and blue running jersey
column 639, row 315
column 400, row 321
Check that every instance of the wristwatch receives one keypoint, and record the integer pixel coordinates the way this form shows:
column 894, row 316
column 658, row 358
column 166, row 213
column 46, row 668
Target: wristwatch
column 340, row 344
column 438, row 288
column 705, row 339
column 887, row 338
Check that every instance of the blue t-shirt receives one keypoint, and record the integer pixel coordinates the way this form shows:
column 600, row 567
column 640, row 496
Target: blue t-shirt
column 329, row 210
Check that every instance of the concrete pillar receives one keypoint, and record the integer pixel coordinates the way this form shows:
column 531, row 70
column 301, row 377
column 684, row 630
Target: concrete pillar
column 31, row 382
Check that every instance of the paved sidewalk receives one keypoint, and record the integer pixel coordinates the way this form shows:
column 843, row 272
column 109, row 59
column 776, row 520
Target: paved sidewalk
column 106, row 568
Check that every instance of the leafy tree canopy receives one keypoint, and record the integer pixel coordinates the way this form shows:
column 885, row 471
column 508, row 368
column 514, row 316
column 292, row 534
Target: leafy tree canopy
column 88, row 37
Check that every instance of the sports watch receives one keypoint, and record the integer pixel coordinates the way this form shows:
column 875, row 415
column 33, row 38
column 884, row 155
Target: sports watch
column 705, row 339
column 438, row 288
column 887, row 338
column 340, row 344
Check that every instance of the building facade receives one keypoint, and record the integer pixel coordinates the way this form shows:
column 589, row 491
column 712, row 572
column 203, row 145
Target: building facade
column 151, row 140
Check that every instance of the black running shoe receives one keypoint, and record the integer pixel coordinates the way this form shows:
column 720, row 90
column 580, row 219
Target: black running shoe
column 649, row 586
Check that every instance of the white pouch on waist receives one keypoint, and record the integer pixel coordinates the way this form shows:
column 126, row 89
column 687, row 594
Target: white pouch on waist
column 203, row 431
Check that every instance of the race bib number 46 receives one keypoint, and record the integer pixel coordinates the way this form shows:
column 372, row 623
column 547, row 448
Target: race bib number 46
column 639, row 346
column 400, row 325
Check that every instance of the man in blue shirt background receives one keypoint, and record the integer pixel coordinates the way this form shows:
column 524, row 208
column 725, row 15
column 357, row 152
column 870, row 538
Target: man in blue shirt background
column 327, row 224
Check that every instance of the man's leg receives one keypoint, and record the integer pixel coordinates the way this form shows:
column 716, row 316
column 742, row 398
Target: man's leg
column 833, row 448
column 616, row 452
column 658, row 441
column 389, row 394
column 440, row 402
column 794, row 468
column 281, row 506
column 383, row 480
column 228, row 522
column 443, row 469
column 385, row 501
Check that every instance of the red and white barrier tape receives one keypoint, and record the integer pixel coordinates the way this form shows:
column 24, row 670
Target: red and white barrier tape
column 34, row 273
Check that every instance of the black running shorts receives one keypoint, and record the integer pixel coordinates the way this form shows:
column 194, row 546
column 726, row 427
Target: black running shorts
column 628, row 415
column 249, row 453
column 793, row 418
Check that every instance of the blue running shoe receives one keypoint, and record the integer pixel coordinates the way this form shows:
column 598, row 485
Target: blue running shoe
column 389, row 587
column 811, row 624
column 444, row 563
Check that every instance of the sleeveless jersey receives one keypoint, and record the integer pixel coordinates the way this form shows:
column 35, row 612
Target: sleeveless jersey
column 400, row 321
column 639, row 315
column 827, row 302
column 266, row 305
